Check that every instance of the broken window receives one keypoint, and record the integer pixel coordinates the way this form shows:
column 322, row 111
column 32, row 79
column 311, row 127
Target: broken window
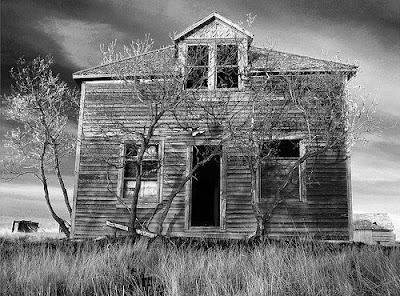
column 280, row 156
column 149, row 185
column 197, row 66
column 227, row 66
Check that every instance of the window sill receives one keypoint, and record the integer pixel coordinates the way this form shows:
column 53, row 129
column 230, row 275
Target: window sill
column 198, row 229
column 204, row 90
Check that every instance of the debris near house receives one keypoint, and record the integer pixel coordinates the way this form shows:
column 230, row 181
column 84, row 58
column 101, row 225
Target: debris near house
column 25, row 226
column 141, row 232
column 373, row 228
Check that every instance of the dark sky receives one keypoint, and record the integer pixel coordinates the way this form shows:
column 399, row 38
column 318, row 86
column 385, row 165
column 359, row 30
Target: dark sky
column 364, row 32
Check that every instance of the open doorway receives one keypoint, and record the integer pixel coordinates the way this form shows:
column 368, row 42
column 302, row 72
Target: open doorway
column 205, row 205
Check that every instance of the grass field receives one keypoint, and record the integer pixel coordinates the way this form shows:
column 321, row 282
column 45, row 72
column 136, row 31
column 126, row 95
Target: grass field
column 195, row 267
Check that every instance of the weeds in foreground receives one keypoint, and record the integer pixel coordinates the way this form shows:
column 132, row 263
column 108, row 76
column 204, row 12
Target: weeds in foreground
column 161, row 267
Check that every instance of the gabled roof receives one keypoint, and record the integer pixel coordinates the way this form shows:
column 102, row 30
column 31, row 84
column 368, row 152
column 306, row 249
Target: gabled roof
column 372, row 221
column 209, row 19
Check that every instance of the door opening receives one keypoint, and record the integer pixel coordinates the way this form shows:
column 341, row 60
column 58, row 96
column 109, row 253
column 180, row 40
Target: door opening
column 205, row 206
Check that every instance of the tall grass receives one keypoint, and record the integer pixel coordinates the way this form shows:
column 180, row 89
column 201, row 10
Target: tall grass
column 160, row 267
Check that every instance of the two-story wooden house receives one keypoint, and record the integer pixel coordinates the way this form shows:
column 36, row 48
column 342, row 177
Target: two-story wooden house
column 211, row 57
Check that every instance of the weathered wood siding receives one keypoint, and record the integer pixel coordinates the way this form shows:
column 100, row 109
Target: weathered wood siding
column 373, row 237
column 324, row 213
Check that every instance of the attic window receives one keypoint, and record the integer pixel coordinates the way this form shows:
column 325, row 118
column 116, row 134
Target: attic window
column 197, row 66
column 227, row 66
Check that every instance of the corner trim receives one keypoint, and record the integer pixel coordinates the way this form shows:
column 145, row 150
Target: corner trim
column 78, row 157
column 349, row 198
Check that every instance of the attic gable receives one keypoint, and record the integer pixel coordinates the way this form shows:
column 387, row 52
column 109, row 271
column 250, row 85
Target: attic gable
column 214, row 26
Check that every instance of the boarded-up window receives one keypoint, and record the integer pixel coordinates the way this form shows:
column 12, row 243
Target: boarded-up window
column 149, row 186
column 275, row 170
column 227, row 66
column 197, row 66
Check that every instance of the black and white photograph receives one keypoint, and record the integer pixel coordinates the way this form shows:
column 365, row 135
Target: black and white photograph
column 200, row 147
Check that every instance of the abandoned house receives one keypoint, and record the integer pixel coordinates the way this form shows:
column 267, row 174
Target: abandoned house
column 373, row 229
column 233, row 111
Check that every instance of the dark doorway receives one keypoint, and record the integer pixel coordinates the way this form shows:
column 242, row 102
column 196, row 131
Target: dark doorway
column 205, row 210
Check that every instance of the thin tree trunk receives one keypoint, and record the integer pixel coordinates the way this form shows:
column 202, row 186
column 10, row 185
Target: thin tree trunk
column 133, row 216
column 61, row 181
column 59, row 220
column 169, row 203
column 139, row 173
column 138, row 184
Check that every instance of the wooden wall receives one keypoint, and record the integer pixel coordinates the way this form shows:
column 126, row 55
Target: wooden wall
column 324, row 214
column 373, row 237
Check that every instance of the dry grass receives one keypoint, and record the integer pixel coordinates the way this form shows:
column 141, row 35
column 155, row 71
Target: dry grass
column 162, row 267
column 32, row 237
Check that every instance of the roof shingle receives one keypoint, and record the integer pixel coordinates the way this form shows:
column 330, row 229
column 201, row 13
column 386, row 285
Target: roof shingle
column 154, row 62
column 163, row 60
column 273, row 60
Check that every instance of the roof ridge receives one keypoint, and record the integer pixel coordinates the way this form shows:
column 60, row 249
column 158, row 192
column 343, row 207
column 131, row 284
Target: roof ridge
column 125, row 59
column 305, row 56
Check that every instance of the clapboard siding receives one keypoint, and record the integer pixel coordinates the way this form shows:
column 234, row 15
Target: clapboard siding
column 324, row 213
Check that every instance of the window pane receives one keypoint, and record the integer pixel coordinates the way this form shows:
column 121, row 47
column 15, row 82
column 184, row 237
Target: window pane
column 197, row 55
column 227, row 55
column 151, row 152
column 281, row 148
column 197, row 77
column 129, row 187
column 227, row 77
column 150, row 170
column 130, row 169
column 131, row 150
column 147, row 193
column 197, row 66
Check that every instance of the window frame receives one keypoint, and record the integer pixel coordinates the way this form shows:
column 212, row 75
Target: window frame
column 212, row 45
column 189, row 67
column 301, row 172
column 122, row 179
column 224, row 66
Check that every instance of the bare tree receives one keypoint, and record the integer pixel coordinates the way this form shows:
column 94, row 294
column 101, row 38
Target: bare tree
column 136, row 47
column 299, row 116
column 40, row 103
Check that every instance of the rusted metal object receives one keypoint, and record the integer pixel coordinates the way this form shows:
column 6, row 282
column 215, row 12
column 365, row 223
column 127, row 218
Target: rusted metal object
column 25, row 226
